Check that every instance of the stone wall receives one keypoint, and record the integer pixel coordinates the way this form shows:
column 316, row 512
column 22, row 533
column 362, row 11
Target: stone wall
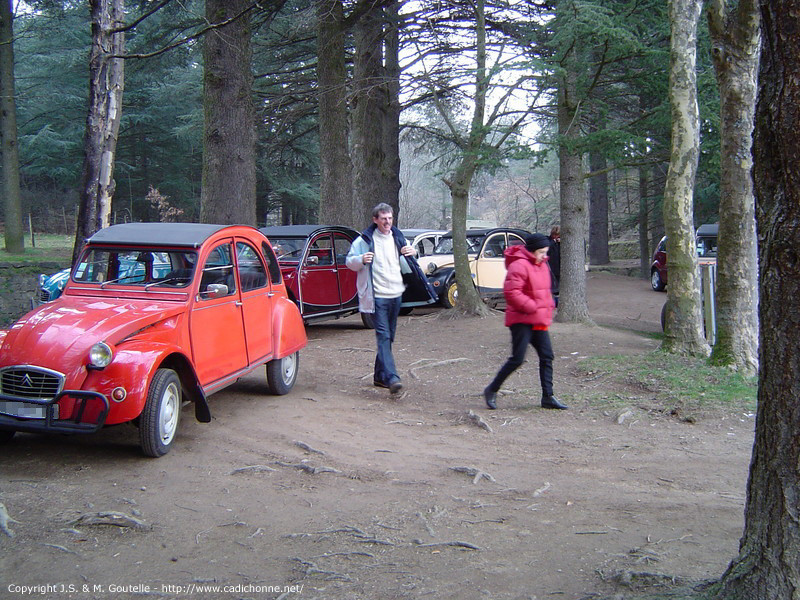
column 623, row 249
column 18, row 288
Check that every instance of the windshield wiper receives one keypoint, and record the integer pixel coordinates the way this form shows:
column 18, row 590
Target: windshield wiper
column 118, row 279
column 165, row 281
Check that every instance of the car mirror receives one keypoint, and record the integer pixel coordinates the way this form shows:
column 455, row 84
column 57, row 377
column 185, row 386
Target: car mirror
column 216, row 290
column 313, row 260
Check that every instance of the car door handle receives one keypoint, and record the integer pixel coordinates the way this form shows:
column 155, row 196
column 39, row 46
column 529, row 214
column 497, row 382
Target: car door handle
column 238, row 303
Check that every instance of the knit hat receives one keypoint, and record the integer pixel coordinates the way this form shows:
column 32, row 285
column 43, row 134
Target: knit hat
column 535, row 241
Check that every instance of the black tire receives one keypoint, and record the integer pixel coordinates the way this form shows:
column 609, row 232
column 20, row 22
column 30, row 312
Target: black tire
column 367, row 320
column 450, row 296
column 159, row 419
column 282, row 373
column 656, row 282
column 6, row 435
column 406, row 310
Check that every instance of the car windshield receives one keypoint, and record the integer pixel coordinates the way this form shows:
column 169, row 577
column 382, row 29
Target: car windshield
column 127, row 266
column 288, row 249
column 445, row 245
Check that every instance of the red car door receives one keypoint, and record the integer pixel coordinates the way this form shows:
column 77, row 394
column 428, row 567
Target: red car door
column 216, row 327
column 256, row 302
column 348, row 293
column 319, row 281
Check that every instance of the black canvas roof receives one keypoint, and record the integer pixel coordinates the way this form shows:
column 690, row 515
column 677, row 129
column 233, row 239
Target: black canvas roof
column 708, row 229
column 190, row 235
column 283, row 231
column 485, row 232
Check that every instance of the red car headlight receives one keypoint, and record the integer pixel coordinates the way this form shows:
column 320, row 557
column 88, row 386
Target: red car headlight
column 100, row 355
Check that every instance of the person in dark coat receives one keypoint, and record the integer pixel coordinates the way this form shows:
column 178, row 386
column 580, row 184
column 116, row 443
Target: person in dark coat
column 554, row 256
column 529, row 313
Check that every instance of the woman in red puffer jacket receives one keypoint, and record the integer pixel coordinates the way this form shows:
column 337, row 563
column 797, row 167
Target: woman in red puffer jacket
column 529, row 312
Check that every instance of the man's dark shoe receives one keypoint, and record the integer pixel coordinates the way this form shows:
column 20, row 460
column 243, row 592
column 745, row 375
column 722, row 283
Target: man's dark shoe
column 552, row 402
column 395, row 386
column 490, row 398
column 379, row 384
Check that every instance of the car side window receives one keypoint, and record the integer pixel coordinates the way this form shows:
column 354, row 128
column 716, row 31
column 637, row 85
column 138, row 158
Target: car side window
column 341, row 246
column 515, row 240
column 320, row 252
column 272, row 263
column 218, row 279
column 252, row 274
column 424, row 246
column 495, row 246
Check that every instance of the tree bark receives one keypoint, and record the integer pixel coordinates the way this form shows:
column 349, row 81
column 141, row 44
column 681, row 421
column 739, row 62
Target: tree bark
column 469, row 301
column 106, row 83
column 12, row 201
column 735, row 50
column 598, row 210
column 391, row 128
column 684, row 326
column 768, row 565
column 228, row 194
column 645, row 252
column 572, row 304
column 369, row 104
column 336, row 168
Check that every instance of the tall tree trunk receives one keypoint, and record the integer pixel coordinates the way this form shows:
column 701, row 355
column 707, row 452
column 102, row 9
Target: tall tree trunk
column 12, row 201
column 735, row 50
column 469, row 301
column 644, row 224
column 391, row 128
column 572, row 304
column 684, row 326
column 369, row 103
column 768, row 565
column 106, row 83
column 598, row 210
column 336, row 169
column 228, row 193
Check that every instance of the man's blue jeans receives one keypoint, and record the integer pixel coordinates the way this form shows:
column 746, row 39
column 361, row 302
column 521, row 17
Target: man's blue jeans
column 385, row 319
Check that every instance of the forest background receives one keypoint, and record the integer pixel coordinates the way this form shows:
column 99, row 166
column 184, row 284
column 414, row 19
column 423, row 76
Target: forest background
column 624, row 121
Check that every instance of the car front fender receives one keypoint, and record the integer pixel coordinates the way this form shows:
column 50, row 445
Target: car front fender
column 132, row 369
column 440, row 278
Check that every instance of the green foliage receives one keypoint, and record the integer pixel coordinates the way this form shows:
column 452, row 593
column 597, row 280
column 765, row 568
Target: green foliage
column 621, row 62
column 51, row 51
column 672, row 382
column 160, row 140
column 49, row 247
column 284, row 61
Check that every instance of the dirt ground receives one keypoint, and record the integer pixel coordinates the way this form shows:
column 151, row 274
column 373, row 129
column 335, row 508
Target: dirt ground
column 339, row 491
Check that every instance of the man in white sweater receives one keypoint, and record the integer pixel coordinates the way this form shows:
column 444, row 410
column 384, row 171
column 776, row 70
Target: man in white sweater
column 378, row 255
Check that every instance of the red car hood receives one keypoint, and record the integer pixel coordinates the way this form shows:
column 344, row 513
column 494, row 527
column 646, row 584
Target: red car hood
column 58, row 335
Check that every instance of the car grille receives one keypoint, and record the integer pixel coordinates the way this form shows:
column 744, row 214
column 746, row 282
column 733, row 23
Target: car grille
column 30, row 382
column 44, row 296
